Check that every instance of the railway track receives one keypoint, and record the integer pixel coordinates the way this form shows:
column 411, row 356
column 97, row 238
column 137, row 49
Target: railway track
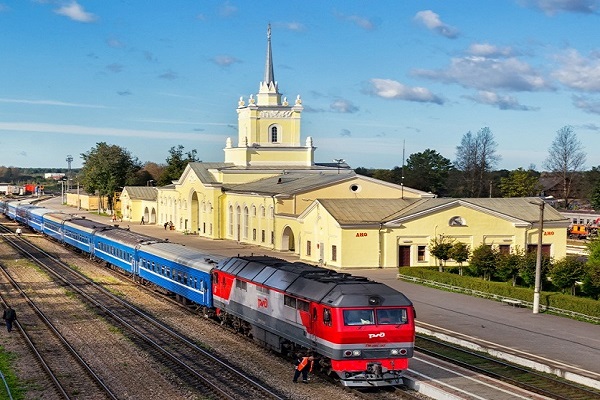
column 69, row 375
column 184, row 358
column 518, row 376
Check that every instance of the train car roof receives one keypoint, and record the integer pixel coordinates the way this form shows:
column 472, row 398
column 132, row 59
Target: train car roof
column 86, row 224
column 57, row 216
column 314, row 283
column 182, row 255
column 125, row 236
column 39, row 211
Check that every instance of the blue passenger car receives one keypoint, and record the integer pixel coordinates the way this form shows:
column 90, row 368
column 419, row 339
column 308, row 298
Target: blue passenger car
column 4, row 206
column 79, row 232
column 179, row 269
column 11, row 209
column 118, row 247
column 22, row 210
column 53, row 224
column 35, row 218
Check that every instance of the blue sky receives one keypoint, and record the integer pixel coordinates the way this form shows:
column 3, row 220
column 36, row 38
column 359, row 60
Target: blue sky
column 148, row 76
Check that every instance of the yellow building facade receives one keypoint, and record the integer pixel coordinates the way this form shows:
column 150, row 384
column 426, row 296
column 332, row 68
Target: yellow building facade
column 270, row 192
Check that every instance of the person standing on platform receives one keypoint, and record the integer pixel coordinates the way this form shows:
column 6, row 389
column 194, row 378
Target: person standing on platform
column 142, row 222
column 9, row 316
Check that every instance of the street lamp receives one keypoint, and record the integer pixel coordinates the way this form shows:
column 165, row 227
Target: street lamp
column 62, row 189
column 339, row 161
column 538, row 261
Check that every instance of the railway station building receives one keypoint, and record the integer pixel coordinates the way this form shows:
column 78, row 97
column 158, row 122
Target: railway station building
column 270, row 192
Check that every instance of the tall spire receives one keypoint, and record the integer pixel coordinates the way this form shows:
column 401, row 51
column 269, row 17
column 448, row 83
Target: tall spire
column 268, row 93
column 269, row 76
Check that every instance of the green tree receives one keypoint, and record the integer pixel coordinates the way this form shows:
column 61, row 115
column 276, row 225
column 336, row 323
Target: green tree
column 565, row 160
column 460, row 253
column 484, row 261
column 176, row 163
column 595, row 197
column 520, row 183
column 476, row 157
column 528, row 267
column 566, row 272
column 440, row 248
column 106, row 169
column 426, row 171
column 509, row 266
column 591, row 280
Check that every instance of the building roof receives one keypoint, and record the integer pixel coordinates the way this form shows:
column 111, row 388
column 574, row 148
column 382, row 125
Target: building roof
column 201, row 169
column 352, row 211
column 141, row 192
column 368, row 211
column 290, row 183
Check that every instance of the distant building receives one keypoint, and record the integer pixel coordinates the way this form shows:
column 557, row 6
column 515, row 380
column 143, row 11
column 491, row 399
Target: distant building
column 54, row 175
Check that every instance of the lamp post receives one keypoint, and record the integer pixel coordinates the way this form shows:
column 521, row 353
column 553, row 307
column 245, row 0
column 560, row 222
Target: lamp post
column 538, row 262
column 62, row 189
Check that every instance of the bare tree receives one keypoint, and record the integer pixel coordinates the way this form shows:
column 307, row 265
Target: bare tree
column 566, row 159
column 475, row 158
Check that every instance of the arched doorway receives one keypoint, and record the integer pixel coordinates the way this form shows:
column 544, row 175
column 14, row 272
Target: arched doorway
column 153, row 216
column 287, row 239
column 146, row 214
column 195, row 220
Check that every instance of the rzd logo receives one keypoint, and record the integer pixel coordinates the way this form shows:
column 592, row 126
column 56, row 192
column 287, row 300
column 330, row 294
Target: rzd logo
column 263, row 303
column 376, row 335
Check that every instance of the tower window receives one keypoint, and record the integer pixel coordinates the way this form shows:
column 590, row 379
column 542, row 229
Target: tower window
column 274, row 135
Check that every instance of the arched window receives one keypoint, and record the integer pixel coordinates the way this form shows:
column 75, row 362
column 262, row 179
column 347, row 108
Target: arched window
column 253, row 211
column 245, row 223
column 274, row 135
column 262, row 211
column 230, row 220
column 271, row 212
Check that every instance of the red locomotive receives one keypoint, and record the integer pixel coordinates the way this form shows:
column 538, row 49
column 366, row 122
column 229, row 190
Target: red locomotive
column 363, row 331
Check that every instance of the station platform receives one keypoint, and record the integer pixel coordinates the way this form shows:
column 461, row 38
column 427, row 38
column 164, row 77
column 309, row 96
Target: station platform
column 554, row 344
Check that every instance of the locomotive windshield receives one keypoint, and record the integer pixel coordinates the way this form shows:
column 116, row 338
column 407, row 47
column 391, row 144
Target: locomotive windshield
column 392, row 316
column 359, row 317
column 381, row 316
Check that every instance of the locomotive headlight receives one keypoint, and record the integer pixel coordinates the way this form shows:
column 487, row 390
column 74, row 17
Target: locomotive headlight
column 394, row 352
column 356, row 353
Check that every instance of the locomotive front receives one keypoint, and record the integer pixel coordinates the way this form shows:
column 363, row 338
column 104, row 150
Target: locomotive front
column 372, row 335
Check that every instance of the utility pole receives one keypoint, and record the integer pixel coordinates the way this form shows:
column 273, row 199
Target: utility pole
column 538, row 262
column 69, row 161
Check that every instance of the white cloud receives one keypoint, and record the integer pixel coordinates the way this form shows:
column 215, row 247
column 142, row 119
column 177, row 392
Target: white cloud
column 489, row 50
column 578, row 72
column 50, row 103
column 75, row 12
column 225, row 60
column 500, row 101
column 551, row 7
column 362, row 22
column 390, row 89
column 292, row 26
column 433, row 22
column 488, row 73
column 102, row 131
column 343, row 106
column 586, row 104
